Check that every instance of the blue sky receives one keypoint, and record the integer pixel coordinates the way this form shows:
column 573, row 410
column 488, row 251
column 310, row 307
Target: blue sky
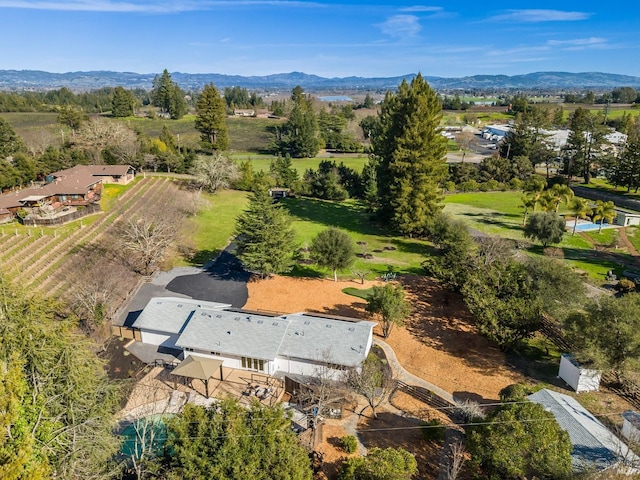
column 325, row 37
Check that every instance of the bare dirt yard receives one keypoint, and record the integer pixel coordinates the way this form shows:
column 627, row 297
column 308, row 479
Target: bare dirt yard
column 437, row 343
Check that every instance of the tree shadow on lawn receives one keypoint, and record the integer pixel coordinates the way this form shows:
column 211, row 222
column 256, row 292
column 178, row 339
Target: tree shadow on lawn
column 411, row 246
column 347, row 216
column 440, row 320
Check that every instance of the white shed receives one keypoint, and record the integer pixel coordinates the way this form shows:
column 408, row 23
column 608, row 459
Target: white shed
column 579, row 378
column 631, row 426
column 624, row 219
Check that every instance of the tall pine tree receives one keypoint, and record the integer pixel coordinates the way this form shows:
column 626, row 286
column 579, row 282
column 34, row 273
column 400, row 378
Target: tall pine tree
column 168, row 96
column 265, row 239
column 211, row 120
column 411, row 154
column 299, row 137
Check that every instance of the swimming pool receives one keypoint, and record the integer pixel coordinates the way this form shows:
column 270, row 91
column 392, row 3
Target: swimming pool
column 587, row 226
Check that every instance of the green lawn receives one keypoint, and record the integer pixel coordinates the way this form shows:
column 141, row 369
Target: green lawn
column 500, row 213
column 215, row 224
column 363, row 293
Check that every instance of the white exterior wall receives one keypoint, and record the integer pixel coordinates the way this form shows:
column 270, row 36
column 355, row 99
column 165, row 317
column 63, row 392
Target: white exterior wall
column 159, row 338
column 580, row 379
column 625, row 220
column 301, row 367
column 234, row 362
column 630, row 432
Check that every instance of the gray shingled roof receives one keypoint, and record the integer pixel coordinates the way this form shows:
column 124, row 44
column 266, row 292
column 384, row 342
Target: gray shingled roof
column 328, row 340
column 210, row 327
column 234, row 333
column 170, row 314
column 594, row 446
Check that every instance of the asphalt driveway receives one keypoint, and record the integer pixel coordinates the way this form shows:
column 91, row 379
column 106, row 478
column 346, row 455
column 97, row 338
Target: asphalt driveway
column 223, row 280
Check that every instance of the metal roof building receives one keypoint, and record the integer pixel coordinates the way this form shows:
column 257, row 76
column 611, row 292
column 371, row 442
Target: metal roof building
column 595, row 447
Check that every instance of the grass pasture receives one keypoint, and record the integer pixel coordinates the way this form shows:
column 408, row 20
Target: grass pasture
column 261, row 163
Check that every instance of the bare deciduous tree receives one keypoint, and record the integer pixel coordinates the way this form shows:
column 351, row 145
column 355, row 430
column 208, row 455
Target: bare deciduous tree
column 457, row 457
column 215, row 172
column 373, row 380
column 97, row 134
column 147, row 236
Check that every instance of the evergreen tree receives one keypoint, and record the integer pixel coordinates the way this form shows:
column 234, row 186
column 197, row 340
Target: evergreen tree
column 232, row 442
column 168, row 96
column 334, row 249
column 10, row 142
column 521, row 441
column 585, row 143
column 168, row 139
column 265, row 239
column 411, row 154
column 299, row 136
column 123, row 103
column 211, row 119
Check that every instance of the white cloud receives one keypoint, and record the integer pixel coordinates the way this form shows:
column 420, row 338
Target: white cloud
column 401, row 26
column 421, row 8
column 534, row 16
column 579, row 41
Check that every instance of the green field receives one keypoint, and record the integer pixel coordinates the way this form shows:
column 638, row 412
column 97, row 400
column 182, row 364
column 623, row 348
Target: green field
column 216, row 223
column 262, row 162
column 500, row 214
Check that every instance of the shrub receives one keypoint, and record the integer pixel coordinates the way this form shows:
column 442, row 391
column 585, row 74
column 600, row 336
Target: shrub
column 433, row 430
column 516, row 392
column 554, row 252
column 349, row 443
column 515, row 184
column 469, row 186
column 625, row 285
column 450, row 186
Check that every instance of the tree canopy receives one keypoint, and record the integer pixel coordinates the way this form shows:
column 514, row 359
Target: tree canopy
column 231, row 442
column 546, row 227
column 168, row 96
column 211, row 119
column 380, row 464
column 123, row 103
column 264, row 237
column 389, row 302
column 299, row 134
column 521, row 441
column 412, row 155
column 332, row 248
column 57, row 402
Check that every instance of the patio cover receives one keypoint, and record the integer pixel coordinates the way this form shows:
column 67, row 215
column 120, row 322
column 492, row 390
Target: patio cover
column 199, row 367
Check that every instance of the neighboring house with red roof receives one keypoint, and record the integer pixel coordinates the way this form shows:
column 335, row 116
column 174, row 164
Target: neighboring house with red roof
column 63, row 193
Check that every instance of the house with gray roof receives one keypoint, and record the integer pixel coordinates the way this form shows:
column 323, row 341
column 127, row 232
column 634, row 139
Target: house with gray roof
column 298, row 343
column 595, row 447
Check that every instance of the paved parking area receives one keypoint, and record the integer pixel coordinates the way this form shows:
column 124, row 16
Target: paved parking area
column 223, row 280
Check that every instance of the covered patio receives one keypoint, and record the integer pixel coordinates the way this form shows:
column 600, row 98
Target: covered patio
column 199, row 368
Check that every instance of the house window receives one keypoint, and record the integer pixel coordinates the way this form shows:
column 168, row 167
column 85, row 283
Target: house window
column 253, row 364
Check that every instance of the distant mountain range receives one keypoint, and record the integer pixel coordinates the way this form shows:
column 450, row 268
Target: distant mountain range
column 39, row 80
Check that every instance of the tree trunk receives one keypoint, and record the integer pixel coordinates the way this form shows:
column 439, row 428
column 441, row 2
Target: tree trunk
column 335, row 275
column 575, row 225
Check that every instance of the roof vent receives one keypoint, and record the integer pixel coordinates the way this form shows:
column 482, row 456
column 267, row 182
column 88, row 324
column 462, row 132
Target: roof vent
column 328, row 326
column 179, row 305
column 260, row 322
column 218, row 316
column 275, row 324
column 307, row 322
column 351, row 329
column 228, row 332
column 237, row 318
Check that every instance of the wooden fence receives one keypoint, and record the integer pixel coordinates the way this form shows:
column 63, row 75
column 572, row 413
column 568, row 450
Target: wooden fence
column 126, row 332
column 424, row 395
